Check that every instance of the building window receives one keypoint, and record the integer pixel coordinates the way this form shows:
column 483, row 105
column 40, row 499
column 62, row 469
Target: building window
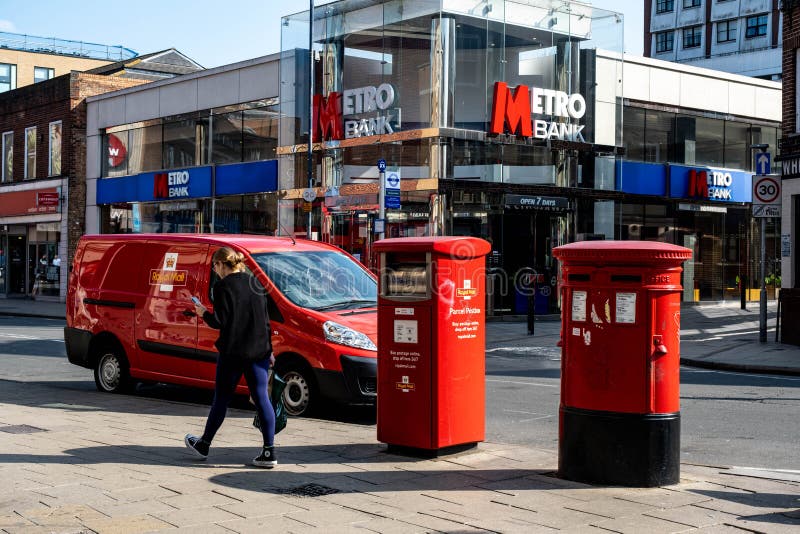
column 665, row 6
column 54, row 158
column 692, row 36
column 30, row 153
column 41, row 74
column 8, row 77
column 665, row 41
column 691, row 3
column 726, row 31
column 8, row 157
column 756, row 26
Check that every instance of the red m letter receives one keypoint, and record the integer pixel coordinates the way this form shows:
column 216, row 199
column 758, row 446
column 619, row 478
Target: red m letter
column 513, row 110
column 160, row 189
column 698, row 184
column 328, row 117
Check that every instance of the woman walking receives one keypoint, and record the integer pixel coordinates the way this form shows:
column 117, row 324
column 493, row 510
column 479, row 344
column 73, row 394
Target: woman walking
column 240, row 314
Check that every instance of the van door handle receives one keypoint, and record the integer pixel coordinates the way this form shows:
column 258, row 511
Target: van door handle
column 189, row 313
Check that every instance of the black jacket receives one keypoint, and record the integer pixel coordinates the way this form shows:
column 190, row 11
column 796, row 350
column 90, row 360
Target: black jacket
column 240, row 313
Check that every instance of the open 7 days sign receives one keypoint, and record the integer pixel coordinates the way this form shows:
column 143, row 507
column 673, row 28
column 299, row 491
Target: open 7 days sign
column 766, row 196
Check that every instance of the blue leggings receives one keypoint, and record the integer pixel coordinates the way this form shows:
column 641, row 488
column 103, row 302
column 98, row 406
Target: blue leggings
column 228, row 375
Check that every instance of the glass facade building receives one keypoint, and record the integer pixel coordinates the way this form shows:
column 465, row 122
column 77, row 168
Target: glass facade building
column 515, row 121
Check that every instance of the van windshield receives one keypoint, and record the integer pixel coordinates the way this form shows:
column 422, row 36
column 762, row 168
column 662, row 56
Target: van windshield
column 324, row 280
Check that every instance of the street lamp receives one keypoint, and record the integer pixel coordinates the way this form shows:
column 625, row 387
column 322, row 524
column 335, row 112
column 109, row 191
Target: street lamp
column 310, row 106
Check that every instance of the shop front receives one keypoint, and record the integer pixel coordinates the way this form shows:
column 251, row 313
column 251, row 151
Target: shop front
column 489, row 120
column 30, row 243
column 235, row 198
column 707, row 210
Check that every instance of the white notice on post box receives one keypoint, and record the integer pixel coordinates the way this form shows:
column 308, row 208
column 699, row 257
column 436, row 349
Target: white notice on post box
column 405, row 331
column 626, row 308
column 578, row 306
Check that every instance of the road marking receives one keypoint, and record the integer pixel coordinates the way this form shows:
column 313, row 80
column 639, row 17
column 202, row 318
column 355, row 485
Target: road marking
column 22, row 336
column 750, row 375
column 524, row 383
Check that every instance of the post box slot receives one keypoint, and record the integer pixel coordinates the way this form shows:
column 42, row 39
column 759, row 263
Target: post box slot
column 579, row 277
column 626, row 278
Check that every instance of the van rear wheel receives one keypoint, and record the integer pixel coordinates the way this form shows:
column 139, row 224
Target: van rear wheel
column 111, row 371
column 300, row 394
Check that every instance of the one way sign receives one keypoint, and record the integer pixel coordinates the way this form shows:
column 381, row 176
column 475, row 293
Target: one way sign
column 763, row 163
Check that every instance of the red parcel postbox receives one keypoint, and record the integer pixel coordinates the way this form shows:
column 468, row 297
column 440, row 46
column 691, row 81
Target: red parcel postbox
column 431, row 344
column 619, row 417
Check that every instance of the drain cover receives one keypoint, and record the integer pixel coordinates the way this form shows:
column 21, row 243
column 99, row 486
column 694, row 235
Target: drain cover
column 310, row 490
column 21, row 429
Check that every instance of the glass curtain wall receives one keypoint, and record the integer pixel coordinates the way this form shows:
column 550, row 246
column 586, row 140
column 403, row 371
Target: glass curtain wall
column 666, row 137
column 230, row 135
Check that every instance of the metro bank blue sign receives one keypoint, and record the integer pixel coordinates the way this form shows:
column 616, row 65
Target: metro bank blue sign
column 193, row 182
column 684, row 182
column 176, row 184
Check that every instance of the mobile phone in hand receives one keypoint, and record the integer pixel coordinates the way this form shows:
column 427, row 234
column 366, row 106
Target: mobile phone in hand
column 196, row 300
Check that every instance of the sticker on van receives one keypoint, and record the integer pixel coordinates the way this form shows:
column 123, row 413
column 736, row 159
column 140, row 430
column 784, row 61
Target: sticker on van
column 170, row 262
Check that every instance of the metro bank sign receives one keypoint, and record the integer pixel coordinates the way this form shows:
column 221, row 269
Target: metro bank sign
column 513, row 110
column 341, row 115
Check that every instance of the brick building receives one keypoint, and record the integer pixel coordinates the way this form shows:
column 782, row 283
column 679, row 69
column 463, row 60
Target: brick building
column 43, row 172
column 43, row 189
column 790, row 145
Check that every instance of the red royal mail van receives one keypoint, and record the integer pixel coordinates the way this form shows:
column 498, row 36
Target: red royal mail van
column 130, row 315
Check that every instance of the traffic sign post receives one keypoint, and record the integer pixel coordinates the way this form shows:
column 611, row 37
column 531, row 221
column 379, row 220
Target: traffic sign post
column 380, row 229
column 766, row 203
column 763, row 163
column 392, row 189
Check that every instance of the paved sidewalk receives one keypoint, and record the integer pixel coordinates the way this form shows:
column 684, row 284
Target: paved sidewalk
column 93, row 462
column 77, row 461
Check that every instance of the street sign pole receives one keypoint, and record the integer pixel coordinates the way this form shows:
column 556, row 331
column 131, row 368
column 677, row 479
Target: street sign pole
column 382, row 202
column 381, row 198
column 762, row 165
column 762, row 312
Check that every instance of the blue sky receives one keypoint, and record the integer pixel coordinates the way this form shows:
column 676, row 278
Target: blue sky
column 211, row 32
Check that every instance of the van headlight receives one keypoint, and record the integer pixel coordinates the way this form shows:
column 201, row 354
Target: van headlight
column 336, row 333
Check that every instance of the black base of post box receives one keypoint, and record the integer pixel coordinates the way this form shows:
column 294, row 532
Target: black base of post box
column 623, row 449
column 416, row 452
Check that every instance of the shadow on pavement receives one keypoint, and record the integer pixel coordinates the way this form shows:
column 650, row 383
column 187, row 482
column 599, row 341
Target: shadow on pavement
column 341, row 471
column 13, row 392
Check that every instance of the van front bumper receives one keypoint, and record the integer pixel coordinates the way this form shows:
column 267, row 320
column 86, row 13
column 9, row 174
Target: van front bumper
column 356, row 383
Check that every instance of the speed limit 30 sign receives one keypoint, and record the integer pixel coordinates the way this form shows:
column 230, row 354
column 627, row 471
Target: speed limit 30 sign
column 766, row 196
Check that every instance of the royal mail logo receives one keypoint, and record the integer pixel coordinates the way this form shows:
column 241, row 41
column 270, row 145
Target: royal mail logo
column 170, row 263
column 404, row 386
column 467, row 291
column 175, row 278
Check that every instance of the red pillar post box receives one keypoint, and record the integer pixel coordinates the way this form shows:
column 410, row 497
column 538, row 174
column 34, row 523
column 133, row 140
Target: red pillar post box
column 619, row 417
column 431, row 343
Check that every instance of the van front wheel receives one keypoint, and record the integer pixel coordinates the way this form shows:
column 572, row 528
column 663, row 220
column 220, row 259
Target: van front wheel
column 300, row 393
column 111, row 372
